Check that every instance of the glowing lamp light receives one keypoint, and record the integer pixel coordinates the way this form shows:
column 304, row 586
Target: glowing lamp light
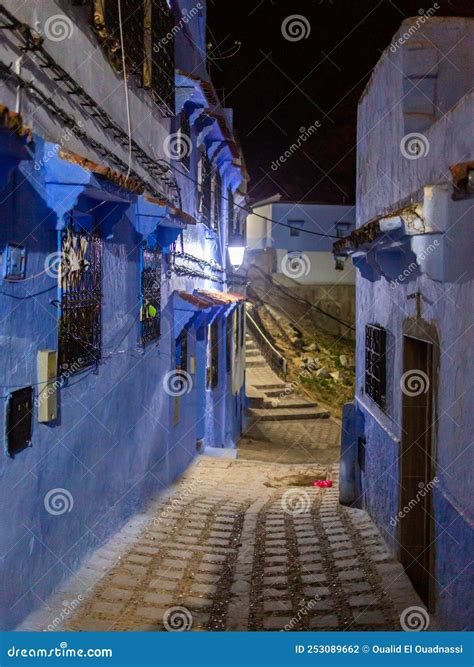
column 236, row 249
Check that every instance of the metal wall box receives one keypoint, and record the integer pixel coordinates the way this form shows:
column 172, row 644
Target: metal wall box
column 19, row 421
column 13, row 262
column 47, row 400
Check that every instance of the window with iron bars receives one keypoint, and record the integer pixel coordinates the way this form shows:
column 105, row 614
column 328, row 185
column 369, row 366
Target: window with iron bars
column 216, row 221
column 182, row 351
column 230, row 211
column 375, row 363
column 212, row 370
column 205, row 189
column 184, row 140
column 228, row 342
column 162, row 68
column 150, row 294
column 80, row 297
column 148, row 43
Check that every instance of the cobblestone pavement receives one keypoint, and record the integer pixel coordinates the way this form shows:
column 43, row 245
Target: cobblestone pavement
column 238, row 545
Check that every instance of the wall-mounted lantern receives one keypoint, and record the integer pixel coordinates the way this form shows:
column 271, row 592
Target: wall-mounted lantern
column 236, row 249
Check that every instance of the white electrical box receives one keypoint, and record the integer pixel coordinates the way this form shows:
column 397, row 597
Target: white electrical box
column 47, row 399
column 192, row 365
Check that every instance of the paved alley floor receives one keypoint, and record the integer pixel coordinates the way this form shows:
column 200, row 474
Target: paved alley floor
column 282, row 424
column 238, row 545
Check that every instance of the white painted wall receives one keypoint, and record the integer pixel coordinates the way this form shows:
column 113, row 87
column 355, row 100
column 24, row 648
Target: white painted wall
column 318, row 269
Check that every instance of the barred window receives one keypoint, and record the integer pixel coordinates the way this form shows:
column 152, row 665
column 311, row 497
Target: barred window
column 204, row 188
column 228, row 342
column 182, row 351
column 133, row 17
column 375, row 363
column 162, row 67
column 230, row 211
column 150, row 294
column 80, row 302
column 216, row 222
column 184, row 140
column 212, row 370
column 148, row 40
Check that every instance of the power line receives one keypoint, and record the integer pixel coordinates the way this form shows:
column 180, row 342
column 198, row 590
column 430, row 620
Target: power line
column 300, row 299
column 249, row 210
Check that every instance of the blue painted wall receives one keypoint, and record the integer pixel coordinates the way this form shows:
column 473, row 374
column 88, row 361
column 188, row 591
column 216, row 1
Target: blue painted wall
column 116, row 441
column 395, row 267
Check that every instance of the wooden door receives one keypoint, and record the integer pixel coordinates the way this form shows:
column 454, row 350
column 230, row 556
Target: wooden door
column 417, row 465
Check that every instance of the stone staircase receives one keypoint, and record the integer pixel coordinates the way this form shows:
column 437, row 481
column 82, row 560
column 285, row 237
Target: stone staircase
column 269, row 397
column 253, row 356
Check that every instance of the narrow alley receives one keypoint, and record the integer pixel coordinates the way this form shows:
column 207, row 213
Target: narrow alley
column 236, row 332
column 244, row 545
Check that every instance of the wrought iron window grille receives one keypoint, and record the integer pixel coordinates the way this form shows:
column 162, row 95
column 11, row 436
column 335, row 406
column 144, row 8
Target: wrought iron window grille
column 80, row 297
column 182, row 351
column 204, row 190
column 212, row 371
column 216, row 218
column 148, row 44
column 150, row 294
column 230, row 211
column 184, row 141
column 228, row 343
column 375, row 363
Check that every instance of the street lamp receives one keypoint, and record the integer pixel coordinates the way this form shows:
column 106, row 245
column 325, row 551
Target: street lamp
column 236, row 250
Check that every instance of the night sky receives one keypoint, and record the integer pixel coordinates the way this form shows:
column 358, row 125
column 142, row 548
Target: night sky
column 277, row 86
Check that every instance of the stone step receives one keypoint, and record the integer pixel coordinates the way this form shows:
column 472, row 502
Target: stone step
column 276, row 386
column 255, row 399
column 257, row 362
column 285, row 414
column 253, row 353
column 287, row 401
column 277, row 390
